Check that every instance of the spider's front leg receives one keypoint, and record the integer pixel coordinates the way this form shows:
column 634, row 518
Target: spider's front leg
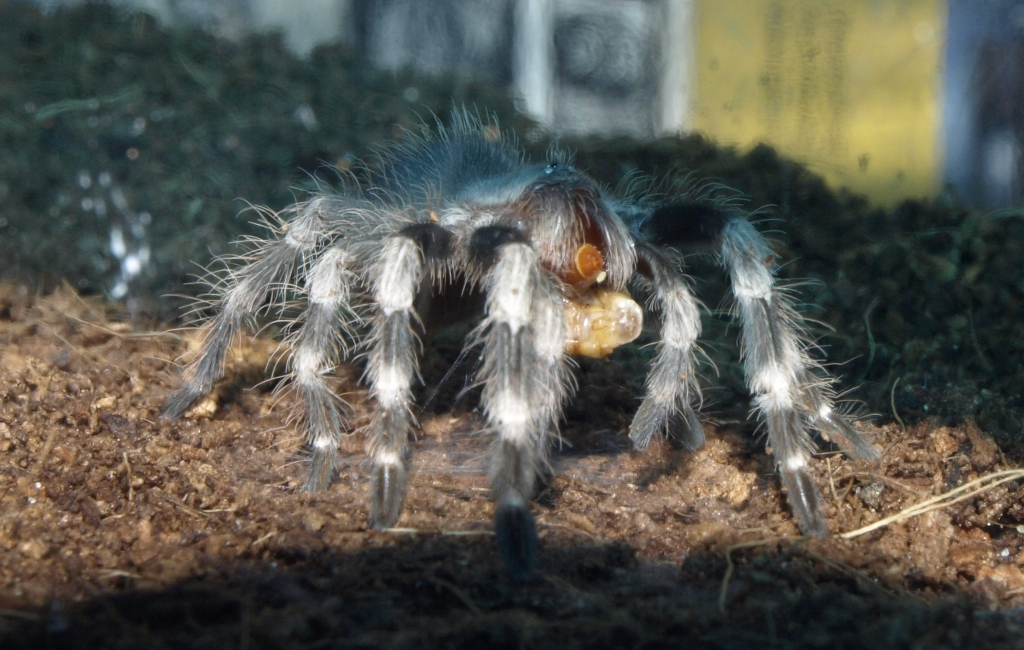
column 525, row 380
column 791, row 392
column 392, row 363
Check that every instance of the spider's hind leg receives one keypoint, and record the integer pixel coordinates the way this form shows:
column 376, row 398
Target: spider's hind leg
column 270, row 269
column 525, row 378
column 791, row 391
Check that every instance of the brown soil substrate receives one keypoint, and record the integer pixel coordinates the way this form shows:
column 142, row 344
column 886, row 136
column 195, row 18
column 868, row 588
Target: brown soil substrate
column 118, row 529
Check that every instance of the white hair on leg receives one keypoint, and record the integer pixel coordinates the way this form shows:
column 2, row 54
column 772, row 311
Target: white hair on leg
column 319, row 344
column 268, row 268
column 390, row 372
column 672, row 386
column 790, row 393
column 525, row 379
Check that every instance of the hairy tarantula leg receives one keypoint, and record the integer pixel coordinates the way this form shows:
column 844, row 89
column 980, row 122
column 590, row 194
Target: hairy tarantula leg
column 672, row 383
column 271, row 268
column 392, row 361
column 391, row 368
column 778, row 367
column 319, row 344
column 525, row 379
column 834, row 426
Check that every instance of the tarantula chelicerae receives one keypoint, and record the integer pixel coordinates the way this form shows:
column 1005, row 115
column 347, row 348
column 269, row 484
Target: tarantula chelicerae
column 459, row 222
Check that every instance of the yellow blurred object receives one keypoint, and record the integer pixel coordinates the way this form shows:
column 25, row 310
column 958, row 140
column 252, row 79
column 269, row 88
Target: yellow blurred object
column 851, row 89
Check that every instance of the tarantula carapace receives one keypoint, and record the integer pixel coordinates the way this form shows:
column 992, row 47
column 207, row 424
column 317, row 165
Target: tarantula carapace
column 460, row 213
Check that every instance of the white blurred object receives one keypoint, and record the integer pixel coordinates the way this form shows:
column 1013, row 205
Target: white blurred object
column 590, row 66
column 1000, row 171
column 304, row 23
column 576, row 66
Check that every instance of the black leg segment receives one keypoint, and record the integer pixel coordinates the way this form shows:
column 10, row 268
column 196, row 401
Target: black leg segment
column 684, row 225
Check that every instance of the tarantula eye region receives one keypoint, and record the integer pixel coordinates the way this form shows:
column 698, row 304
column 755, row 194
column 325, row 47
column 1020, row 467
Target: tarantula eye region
column 600, row 321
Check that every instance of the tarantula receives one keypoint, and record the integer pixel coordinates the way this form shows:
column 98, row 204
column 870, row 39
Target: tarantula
column 458, row 223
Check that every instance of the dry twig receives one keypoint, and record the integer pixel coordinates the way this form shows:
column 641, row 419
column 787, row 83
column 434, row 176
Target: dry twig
column 966, row 491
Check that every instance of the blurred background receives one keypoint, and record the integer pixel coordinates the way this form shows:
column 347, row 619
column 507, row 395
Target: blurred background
column 893, row 99
column 885, row 137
